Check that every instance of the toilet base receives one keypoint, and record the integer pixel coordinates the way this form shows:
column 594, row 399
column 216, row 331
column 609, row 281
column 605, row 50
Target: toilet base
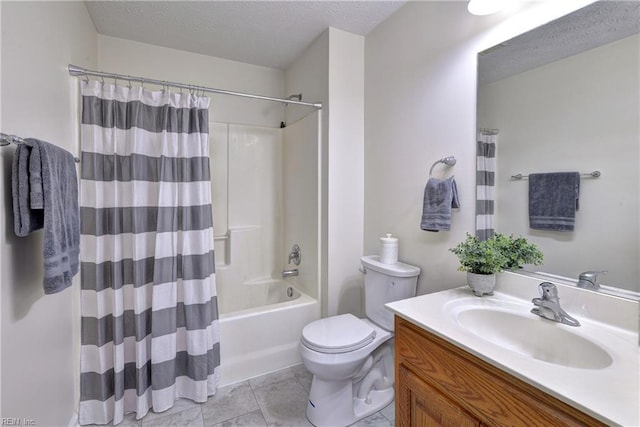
column 332, row 403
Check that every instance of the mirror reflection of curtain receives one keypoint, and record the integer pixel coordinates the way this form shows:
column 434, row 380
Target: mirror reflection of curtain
column 485, row 182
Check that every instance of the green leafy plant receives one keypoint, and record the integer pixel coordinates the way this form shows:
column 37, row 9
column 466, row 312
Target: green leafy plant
column 518, row 251
column 480, row 257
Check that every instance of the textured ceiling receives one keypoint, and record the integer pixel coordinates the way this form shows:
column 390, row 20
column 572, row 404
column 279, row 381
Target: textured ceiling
column 268, row 33
column 587, row 28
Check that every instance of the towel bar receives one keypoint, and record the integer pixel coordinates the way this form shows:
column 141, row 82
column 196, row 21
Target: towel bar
column 12, row 139
column 594, row 174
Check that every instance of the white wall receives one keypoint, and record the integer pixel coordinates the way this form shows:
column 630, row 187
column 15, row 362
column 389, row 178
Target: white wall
column 580, row 113
column 145, row 60
column 309, row 75
column 420, row 86
column 420, row 106
column 40, row 334
column 345, row 171
column 331, row 71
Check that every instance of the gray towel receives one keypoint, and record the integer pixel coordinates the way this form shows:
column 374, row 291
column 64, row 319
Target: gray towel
column 553, row 200
column 25, row 219
column 36, row 192
column 440, row 195
column 54, row 178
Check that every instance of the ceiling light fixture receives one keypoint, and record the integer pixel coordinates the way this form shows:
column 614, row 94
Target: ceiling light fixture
column 485, row 7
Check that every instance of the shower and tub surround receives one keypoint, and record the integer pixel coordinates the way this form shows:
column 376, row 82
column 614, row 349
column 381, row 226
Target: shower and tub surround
column 351, row 359
column 150, row 330
column 265, row 201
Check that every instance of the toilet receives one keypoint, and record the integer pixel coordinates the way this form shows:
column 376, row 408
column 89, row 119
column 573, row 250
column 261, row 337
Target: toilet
column 351, row 359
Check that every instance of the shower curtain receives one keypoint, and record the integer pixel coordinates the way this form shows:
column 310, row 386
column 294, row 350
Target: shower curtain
column 149, row 325
column 485, row 183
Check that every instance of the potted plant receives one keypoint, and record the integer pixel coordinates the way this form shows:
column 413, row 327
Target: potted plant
column 518, row 251
column 481, row 260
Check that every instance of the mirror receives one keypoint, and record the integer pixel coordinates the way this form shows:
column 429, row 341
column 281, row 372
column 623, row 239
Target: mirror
column 565, row 97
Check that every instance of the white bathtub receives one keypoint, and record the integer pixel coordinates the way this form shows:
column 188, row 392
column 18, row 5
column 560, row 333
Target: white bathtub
column 260, row 327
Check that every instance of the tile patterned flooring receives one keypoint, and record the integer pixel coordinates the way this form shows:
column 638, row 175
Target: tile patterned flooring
column 276, row 399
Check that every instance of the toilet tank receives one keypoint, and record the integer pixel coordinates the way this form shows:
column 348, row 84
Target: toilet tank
column 385, row 283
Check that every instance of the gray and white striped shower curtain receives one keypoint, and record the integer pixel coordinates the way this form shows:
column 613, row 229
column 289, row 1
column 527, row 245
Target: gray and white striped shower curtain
column 148, row 299
column 485, row 184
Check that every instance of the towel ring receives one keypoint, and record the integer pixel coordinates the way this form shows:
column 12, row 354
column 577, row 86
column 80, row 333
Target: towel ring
column 449, row 161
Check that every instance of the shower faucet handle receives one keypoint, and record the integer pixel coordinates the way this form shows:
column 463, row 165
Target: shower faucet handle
column 295, row 255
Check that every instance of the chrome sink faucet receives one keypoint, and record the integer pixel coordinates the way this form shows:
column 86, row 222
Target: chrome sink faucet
column 588, row 279
column 548, row 306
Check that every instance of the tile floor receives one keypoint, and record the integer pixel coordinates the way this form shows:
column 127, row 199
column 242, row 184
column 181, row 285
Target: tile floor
column 277, row 399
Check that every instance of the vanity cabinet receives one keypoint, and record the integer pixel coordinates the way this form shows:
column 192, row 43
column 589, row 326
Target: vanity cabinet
column 439, row 384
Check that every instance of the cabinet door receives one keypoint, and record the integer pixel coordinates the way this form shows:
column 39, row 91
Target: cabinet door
column 441, row 384
column 428, row 407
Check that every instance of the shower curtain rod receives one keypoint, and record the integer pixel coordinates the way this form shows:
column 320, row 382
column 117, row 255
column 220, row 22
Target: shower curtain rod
column 76, row 71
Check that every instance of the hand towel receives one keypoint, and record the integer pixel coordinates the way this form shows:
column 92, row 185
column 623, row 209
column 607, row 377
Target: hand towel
column 36, row 192
column 440, row 195
column 553, row 200
column 25, row 219
column 59, row 189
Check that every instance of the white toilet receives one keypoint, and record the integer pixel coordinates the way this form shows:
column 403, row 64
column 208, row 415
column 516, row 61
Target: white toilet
column 351, row 359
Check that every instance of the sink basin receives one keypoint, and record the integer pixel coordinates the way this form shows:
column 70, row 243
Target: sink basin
column 573, row 364
column 533, row 336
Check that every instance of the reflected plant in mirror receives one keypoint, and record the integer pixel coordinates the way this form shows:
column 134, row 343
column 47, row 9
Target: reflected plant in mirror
column 518, row 251
column 564, row 97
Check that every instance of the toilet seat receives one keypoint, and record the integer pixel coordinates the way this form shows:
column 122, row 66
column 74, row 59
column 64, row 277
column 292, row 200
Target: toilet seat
column 337, row 334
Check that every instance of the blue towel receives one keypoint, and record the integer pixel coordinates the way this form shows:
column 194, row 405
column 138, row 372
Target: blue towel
column 553, row 200
column 440, row 195
column 36, row 191
column 25, row 219
column 48, row 179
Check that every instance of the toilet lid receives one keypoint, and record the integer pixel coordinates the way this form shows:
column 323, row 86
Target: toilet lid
column 337, row 334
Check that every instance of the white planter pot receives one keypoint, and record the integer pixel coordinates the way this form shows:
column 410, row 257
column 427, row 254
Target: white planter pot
column 481, row 284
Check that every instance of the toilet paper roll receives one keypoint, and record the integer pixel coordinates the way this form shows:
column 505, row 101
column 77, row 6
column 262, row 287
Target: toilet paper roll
column 389, row 249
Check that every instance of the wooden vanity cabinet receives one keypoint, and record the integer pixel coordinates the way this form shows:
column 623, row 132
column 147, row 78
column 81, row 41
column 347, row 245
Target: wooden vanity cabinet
column 439, row 384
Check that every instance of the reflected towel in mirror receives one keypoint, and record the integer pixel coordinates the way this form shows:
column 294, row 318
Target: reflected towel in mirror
column 553, row 200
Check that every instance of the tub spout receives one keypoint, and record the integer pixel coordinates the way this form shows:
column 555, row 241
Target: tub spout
column 290, row 273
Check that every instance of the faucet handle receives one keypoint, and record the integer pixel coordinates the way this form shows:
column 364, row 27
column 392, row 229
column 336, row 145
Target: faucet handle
column 548, row 291
column 295, row 255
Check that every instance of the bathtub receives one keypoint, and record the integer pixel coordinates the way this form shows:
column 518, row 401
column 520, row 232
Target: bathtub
column 260, row 327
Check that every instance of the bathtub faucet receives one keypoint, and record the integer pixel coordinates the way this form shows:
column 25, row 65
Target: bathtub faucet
column 290, row 273
column 295, row 255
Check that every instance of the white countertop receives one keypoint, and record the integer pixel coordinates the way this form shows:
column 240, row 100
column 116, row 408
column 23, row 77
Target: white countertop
column 610, row 394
